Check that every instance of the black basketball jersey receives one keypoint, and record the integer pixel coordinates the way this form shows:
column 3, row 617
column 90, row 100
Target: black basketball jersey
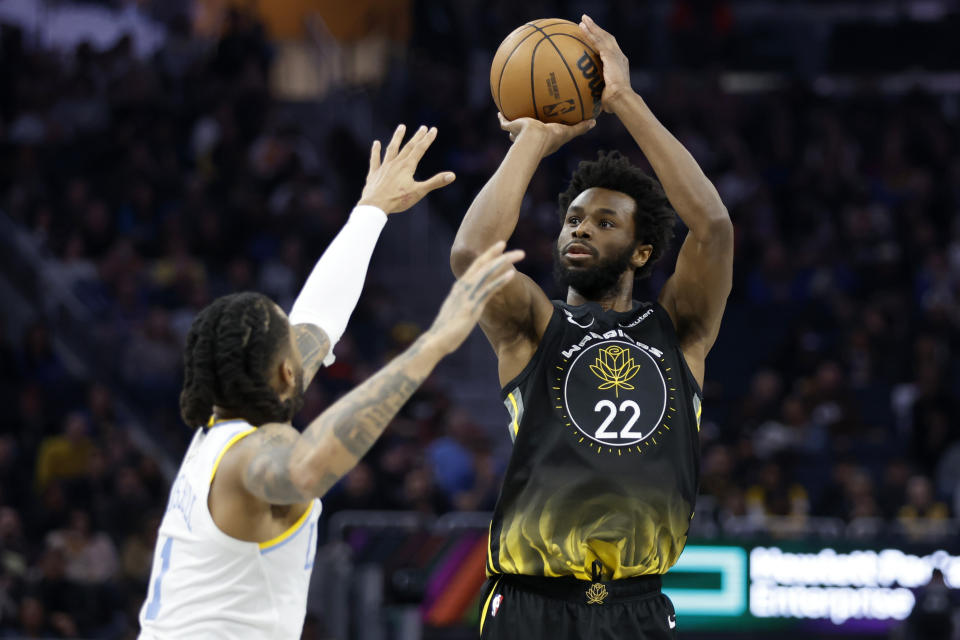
column 605, row 462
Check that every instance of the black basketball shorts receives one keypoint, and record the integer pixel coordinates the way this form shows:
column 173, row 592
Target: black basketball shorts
column 531, row 608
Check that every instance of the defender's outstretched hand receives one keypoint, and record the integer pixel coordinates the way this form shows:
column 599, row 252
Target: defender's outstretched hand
column 616, row 67
column 462, row 308
column 553, row 134
column 390, row 184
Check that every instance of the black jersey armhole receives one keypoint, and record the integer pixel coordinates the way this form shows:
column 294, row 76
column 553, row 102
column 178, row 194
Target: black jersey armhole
column 666, row 323
column 552, row 327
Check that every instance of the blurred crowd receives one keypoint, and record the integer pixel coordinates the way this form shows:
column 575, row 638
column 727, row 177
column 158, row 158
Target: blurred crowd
column 158, row 184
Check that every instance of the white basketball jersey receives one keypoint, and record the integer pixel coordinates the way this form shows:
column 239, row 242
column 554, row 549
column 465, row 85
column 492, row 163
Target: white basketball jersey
column 206, row 584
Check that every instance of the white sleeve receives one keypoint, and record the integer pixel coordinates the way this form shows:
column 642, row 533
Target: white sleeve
column 333, row 288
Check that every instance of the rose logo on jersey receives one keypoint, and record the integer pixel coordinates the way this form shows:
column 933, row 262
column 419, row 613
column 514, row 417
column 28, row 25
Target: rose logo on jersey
column 615, row 366
column 615, row 395
column 495, row 605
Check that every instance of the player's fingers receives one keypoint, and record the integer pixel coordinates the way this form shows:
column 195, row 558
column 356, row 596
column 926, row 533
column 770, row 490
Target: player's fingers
column 582, row 127
column 493, row 286
column 508, row 125
column 593, row 27
column 504, row 260
column 374, row 157
column 585, row 28
column 510, row 257
column 440, row 180
column 494, row 269
column 488, row 255
column 491, row 252
column 490, row 260
column 599, row 36
column 414, row 140
column 415, row 149
column 394, row 146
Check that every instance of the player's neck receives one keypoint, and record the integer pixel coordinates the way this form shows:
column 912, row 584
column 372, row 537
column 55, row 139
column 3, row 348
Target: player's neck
column 220, row 414
column 618, row 299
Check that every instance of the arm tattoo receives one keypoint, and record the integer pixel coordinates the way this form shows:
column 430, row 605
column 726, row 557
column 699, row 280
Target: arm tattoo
column 367, row 416
column 267, row 475
column 358, row 419
column 326, row 482
column 314, row 345
column 355, row 421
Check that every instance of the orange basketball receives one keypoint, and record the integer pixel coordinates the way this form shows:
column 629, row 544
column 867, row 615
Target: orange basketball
column 547, row 70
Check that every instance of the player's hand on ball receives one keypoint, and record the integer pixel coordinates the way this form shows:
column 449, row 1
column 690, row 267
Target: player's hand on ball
column 552, row 135
column 461, row 310
column 390, row 183
column 616, row 67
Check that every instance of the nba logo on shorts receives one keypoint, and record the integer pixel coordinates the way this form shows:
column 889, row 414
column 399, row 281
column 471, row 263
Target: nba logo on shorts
column 495, row 604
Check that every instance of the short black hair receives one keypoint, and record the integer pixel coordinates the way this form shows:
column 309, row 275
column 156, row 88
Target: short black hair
column 230, row 347
column 654, row 216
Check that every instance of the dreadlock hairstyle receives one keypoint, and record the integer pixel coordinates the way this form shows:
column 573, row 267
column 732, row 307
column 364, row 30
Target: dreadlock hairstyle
column 654, row 217
column 230, row 347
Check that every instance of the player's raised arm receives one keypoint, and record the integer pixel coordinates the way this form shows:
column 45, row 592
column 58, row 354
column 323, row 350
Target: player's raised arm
column 521, row 311
column 696, row 293
column 282, row 466
column 321, row 311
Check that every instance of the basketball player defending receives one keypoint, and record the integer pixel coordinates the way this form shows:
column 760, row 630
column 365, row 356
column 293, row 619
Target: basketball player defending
column 237, row 542
column 603, row 391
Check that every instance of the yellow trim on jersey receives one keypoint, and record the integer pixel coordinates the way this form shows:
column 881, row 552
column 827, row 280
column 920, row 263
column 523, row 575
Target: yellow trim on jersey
column 232, row 441
column 272, row 542
column 490, row 568
column 516, row 411
column 212, row 422
column 486, row 605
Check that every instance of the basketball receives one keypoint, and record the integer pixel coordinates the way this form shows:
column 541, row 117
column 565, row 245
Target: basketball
column 547, row 70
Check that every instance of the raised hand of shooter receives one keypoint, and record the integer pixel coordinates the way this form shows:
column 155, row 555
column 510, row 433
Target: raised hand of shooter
column 390, row 183
column 552, row 135
column 616, row 67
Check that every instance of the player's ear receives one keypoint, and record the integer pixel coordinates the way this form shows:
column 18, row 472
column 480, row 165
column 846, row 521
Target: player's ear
column 287, row 375
column 641, row 254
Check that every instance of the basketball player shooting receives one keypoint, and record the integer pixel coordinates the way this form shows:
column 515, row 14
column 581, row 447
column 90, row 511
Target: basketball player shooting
column 603, row 391
column 236, row 545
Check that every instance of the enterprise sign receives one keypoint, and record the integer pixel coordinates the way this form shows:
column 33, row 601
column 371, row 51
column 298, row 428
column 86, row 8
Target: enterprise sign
column 732, row 582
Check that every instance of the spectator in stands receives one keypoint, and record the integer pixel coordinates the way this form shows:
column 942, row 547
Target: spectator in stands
column 923, row 513
column 893, row 490
column 933, row 611
column 136, row 556
column 419, row 493
column 357, row 490
column 34, row 623
column 62, row 599
column 90, row 556
column 153, row 185
column 38, row 361
column 65, row 456
column 772, row 495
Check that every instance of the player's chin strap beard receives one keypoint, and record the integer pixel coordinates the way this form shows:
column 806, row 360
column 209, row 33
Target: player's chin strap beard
column 595, row 282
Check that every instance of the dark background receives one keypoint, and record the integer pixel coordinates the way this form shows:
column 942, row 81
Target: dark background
column 219, row 150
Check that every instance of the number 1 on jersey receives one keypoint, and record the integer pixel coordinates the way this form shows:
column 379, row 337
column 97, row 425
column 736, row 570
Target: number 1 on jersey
column 154, row 607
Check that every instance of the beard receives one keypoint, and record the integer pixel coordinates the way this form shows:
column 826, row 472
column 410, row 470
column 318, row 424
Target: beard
column 286, row 410
column 294, row 403
column 596, row 281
